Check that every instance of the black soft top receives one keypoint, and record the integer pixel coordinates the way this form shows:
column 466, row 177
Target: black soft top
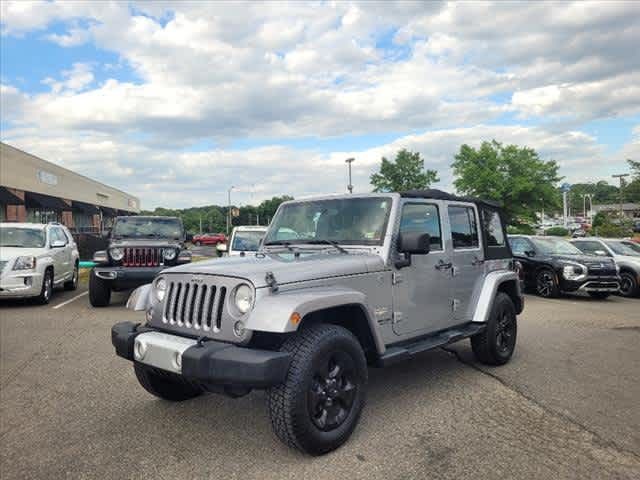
column 436, row 194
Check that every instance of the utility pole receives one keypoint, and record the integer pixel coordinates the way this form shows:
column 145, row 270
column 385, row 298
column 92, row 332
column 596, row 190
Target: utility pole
column 620, row 176
column 201, row 224
column 349, row 161
column 229, row 209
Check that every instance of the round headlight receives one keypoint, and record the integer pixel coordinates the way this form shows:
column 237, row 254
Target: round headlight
column 161, row 288
column 116, row 253
column 169, row 253
column 243, row 298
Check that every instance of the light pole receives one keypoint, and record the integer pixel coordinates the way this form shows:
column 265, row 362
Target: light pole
column 620, row 176
column 229, row 209
column 349, row 161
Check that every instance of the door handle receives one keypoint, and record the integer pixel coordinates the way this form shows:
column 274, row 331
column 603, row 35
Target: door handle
column 477, row 261
column 441, row 265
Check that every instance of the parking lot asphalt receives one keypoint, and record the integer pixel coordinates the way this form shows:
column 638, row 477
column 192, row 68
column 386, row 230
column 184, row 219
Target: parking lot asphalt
column 565, row 407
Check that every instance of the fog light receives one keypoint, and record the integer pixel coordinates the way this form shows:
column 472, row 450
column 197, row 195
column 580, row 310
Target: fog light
column 238, row 329
column 140, row 349
column 28, row 281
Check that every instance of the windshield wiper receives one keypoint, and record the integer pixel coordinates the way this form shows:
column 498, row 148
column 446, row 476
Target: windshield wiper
column 287, row 245
column 324, row 241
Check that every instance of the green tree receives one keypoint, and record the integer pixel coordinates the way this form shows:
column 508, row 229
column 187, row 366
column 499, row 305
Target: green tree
column 512, row 175
column 404, row 173
column 632, row 190
column 268, row 208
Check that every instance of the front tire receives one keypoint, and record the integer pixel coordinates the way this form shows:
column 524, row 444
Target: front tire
column 47, row 288
column 320, row 402
column 629, row 285
column 547, row 284
column 495, row 345
column 99, row 291
column 165, row 385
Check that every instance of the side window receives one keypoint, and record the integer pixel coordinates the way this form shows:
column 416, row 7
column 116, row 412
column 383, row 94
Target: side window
column 464, row 229
column 519, row 246
column 589, row 247
column 493, row 227
column 57, row 235
column 421, row 217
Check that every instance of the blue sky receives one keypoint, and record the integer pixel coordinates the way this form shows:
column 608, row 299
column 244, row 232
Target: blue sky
column 174, row 103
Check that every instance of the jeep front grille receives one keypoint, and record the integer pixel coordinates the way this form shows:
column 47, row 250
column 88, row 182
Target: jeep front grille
column 194, row 305
column 142, row 257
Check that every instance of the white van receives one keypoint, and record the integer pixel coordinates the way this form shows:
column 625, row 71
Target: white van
column 245, row 240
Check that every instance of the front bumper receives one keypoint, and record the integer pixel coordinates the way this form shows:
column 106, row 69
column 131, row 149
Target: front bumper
column 608, row 283
column 20, row 284
column 212, row 364
column 127, row 277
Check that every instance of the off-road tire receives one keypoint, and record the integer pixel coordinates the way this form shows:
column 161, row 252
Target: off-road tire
column 198, row 243
column 165, row 385
column 288, row 403
column 633, row 290
column 99, row 291
column 46, row 291
column 599, row 295
column 551, row 281
column 73, row 283
column 486, row 344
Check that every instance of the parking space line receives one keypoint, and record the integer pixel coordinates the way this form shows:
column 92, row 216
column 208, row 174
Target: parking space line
column 70, row 300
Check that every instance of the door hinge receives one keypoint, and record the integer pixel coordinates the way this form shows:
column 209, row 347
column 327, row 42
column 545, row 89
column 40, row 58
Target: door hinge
column 455, row 303
column 396, row 278
column 397, row 317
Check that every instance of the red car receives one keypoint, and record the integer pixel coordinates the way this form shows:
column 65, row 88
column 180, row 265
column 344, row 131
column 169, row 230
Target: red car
column 209, row 239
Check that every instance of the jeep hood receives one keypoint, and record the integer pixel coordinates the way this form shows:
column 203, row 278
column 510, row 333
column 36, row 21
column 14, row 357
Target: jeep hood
column 285, row 267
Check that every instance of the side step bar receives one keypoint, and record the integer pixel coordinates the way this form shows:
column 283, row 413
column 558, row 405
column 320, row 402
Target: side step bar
column 400, row 352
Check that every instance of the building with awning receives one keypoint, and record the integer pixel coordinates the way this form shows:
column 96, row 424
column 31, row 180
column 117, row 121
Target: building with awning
column 35, row 190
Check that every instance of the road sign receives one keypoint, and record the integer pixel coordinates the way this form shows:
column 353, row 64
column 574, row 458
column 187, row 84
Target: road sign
column 235, row 212
column 565, row 187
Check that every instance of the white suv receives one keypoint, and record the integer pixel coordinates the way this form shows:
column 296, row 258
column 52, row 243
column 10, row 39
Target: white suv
column 35, row 258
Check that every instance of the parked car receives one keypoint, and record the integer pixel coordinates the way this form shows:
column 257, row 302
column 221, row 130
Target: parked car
column 36, row 258
column 553, row 265
column 245, row 240
column 209, row 239
column 625, row 253
column 139, row 248
column 369, row 280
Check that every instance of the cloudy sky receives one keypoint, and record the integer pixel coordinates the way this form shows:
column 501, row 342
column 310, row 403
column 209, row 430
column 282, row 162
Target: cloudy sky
column 175, row 102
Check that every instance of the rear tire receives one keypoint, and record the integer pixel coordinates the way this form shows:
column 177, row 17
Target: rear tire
column 599, row 295
column 495, row 345
column 73, row 283
column 99, row 291
column 47, row 288
column 318, row 406
column 165, row 385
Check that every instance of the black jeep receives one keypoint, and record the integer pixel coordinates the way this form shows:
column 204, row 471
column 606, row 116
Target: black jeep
column 139, row 249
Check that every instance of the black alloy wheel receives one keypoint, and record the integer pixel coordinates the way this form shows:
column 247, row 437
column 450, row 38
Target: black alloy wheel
column 332, row 390
column 628, row 285
column 505, row 332
column 546, row 284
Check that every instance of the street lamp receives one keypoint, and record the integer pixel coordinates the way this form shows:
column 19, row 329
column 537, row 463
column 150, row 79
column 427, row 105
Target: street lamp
column 349, row 161
column 620, row 176
column 229, row 209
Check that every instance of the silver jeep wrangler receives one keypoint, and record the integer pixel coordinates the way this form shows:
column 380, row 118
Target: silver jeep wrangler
column 340, row 283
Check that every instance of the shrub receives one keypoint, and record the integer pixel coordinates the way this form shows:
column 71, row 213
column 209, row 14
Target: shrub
column 521, row 229
column 557, row 232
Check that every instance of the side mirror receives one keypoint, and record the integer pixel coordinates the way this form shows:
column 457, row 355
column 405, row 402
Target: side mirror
column 530, row 253
column 601, row 253
column 414, row 243
column 58, row 244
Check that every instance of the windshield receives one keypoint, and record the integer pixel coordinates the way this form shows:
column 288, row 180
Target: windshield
column 141, row 227
column 22, row 237
column 555, row 246
column 624, row 248
column 350, row 221
column 247, row 241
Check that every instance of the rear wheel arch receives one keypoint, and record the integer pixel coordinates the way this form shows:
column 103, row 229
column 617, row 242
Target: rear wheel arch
column 353, row 317
column 510, row 287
